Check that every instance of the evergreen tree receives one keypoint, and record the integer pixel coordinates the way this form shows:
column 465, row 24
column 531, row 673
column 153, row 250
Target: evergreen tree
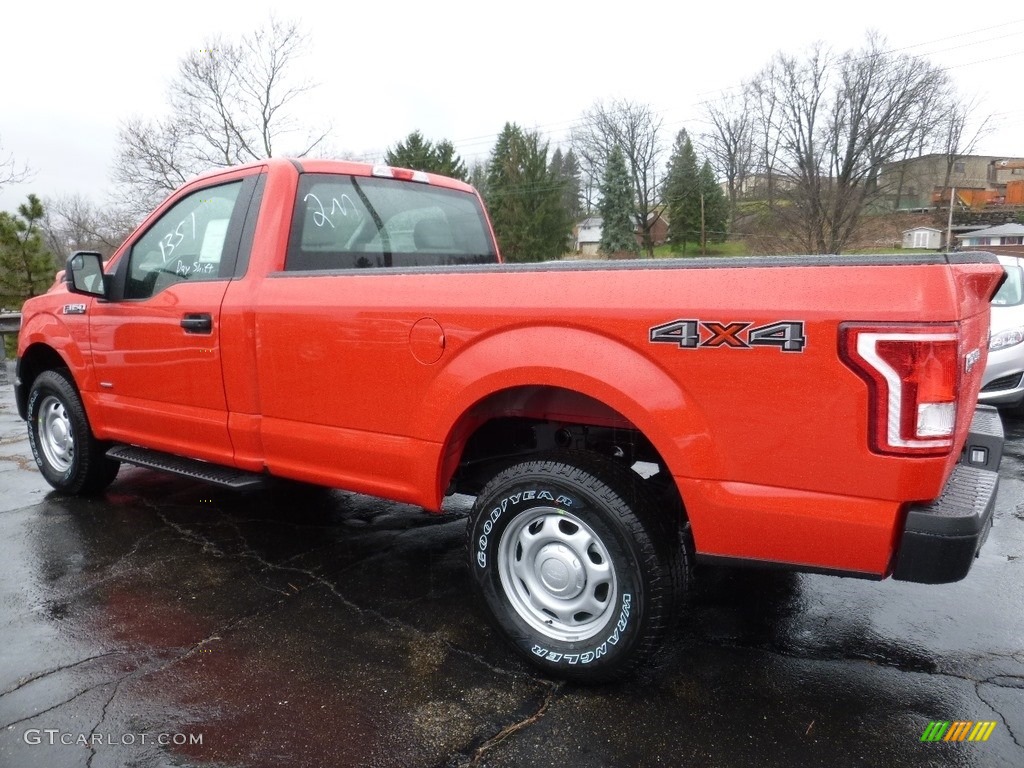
column 681, row 193
column 525, row 199
column 716, row 206
column 415, row 152
column 26, row 267
column 420, row 154
column 448, row 162
column 477, row 176
column 567, row 168
column 555, row 166
column 503, row 189
column 616, row 207
column 572, row 172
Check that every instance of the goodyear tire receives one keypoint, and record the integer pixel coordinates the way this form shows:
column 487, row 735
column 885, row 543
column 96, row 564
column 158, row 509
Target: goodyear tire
column 67, row 454
column 577, row 571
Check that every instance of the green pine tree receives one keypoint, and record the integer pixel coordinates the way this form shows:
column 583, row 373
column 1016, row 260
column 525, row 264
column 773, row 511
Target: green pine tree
column 524, row 198
column 681, row 193
column 716, row 206
column 477, row 176
column 26, row 267
column 567, row 168
column 421, row 154
column 415, row 152
column 616, row 208
column 448, row 162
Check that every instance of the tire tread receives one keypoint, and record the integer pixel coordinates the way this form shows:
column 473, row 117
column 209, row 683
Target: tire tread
column 659, row 540
column 93, row 471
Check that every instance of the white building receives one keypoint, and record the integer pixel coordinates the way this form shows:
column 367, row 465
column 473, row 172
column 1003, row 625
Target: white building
column 588, row 235
column 1006, row 238
column 922, row 237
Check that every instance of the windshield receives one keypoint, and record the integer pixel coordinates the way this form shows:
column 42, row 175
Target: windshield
column 1011, row 294
column 346, row 222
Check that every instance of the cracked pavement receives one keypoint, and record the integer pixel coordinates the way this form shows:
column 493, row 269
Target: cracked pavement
column 299, row 627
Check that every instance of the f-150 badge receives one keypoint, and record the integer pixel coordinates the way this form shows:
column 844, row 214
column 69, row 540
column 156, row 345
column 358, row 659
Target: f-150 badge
column 694, row 334
column 971, row 360
column 74, row 309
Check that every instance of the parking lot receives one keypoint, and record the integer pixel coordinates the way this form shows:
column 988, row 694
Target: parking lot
column 171, row 623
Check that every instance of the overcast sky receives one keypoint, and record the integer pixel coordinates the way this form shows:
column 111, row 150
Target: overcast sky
column 459, row 70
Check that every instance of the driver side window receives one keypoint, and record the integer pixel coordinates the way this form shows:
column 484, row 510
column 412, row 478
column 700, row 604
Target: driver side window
column 186, row 243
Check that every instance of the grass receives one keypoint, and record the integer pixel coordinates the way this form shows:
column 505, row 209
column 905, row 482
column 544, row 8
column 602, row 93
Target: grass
column 739, row 248
column 885, row 249
column 728, row 248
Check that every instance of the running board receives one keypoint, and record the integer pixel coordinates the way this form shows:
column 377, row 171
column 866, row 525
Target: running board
column 228, row 477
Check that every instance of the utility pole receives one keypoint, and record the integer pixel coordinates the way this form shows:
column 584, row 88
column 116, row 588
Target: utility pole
column 703, row 235
column 949, row 221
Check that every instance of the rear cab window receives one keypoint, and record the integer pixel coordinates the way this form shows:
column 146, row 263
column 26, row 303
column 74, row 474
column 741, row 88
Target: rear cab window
column 355, row 222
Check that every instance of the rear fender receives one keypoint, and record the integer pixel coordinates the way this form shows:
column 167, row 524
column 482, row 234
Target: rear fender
column 608, row 371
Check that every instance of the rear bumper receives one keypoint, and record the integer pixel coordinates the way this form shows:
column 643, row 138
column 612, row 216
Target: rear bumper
column 941, row 539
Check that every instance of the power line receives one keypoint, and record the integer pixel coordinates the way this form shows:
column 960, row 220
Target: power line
column 558, row 128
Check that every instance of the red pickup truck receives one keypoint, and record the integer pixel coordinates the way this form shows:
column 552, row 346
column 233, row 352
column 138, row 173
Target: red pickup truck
column 353, row 326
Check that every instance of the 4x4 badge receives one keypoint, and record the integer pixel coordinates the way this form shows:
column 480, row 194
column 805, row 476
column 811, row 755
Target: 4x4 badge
column 787, row 335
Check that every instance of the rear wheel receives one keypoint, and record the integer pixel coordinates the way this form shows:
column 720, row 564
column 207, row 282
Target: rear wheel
column 578, row 570
column 67, row 454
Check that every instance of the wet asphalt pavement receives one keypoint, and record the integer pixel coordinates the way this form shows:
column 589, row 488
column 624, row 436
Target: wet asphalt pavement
column 306, row 628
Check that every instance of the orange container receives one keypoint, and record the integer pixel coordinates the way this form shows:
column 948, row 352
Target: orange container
column 1015, row 192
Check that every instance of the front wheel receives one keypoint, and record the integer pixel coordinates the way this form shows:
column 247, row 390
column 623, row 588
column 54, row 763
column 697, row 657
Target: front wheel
column 578, row 570
column 67, row 454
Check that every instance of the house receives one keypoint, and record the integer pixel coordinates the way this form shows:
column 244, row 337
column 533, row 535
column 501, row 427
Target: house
column 923, row 237
column 658, row 228
column 1006, row 239
column 588, row 236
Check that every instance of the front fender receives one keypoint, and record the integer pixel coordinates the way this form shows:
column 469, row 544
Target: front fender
column 603, row 368
column 46, row 330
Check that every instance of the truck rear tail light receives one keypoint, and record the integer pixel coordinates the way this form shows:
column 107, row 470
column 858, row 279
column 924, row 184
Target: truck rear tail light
column 913, row 377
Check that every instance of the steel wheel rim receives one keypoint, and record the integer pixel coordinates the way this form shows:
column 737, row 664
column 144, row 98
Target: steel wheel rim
column 56, row 438
column 557, row 574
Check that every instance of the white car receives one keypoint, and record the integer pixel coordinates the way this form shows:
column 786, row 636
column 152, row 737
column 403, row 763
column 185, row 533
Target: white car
column 1003, row 382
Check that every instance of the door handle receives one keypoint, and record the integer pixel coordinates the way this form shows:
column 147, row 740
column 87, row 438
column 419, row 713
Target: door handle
column 197, row 323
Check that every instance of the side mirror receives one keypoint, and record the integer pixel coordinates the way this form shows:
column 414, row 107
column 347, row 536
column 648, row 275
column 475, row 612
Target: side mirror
column 84, row 273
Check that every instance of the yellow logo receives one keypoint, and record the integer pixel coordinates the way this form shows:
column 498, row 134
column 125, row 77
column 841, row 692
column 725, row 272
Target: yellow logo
column 959, row 730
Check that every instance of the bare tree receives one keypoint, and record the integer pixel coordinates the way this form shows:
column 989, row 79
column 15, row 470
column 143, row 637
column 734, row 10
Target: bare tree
column 152, row 161
column 635, row 129
column 10, row 171
column 899, row 183
column 73, row 223
column 952, row 135
column 763, row 97
column 957, row 137
column 729, row 145
column 836, row 120
column 230, row 103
